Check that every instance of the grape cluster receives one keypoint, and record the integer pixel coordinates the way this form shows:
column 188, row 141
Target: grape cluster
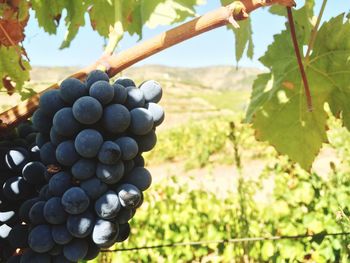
column 22, row 176
column 92, row 134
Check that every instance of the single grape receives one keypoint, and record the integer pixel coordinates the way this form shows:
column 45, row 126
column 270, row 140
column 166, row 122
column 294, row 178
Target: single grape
column 152, row 91
column 40, row 239
column 50, row 102
column 157, row 113
column 16, row 158
column 124, row 215
column 109, row 153
column 87, row 110
column 134, row 98
column 88, row 143
column 54, row 212
column 128, row 147
column 110, row 174
column 65, row 124
column 125, row 82
column 92, row 252
column 75, row 201
column 102, row 91
column 44, row 193
column 139, row 161
column 81, row 225
column 120, row 94
column 24, row 209
column 72, row 89
column 66, row 153
column 95, row 76
column 141, row 121
column 34, row 173
column 75, row 250
column 129, row 195
column 16, row 188
column 59, row 183
column 146, row 142
column 36, row 213
column 56, row 138
column 48, row 153
column 104, row 233
column 116, row 118
column 108, row 205
column 61, row 235
column 124, row 232
column 139, row 177
column 41, row 121
column 94, row 187
column 84, row 169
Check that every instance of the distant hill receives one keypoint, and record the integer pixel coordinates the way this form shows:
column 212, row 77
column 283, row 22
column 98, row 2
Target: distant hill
column 214, row 77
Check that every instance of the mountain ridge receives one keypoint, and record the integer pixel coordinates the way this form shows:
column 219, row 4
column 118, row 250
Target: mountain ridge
column 209, row 77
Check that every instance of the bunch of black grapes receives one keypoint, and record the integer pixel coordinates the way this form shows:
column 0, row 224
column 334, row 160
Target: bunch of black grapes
column 21, row 177
column 93, row 134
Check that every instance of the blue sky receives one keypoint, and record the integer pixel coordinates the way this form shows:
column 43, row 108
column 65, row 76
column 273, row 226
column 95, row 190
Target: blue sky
column 213, row 48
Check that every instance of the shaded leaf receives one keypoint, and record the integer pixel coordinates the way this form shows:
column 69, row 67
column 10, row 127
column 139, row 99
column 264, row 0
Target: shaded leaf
column 243, row 37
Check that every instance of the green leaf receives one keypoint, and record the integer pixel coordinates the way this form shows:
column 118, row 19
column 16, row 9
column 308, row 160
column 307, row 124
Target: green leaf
column 331, row 59
column 48, row 14
column 303, row 17
column 267, row 250
column 102, row 15
column 74, row 20
column 10, row 68
column 278, row 106
column 244, row 39
column 166, row 12
column 243, row 36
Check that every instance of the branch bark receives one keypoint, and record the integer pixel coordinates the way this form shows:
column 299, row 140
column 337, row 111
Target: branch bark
column 238, row 10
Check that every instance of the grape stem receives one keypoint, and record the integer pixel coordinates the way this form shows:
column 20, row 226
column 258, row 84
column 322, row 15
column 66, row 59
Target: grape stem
column 238, row 10
column 300, row 63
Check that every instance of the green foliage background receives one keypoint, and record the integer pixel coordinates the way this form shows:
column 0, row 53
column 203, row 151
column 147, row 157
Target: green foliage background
column 300, row 203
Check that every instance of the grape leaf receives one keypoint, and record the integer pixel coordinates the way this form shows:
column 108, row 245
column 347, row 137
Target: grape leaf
column 12, row 23
column 74, row 20
column 132, row 17
column 167, row 12
column 302, row 17
column 102, row 16
column 13, row 72
column 11, row 32
column 278, row 108
column 243, row 36
column 48, row 14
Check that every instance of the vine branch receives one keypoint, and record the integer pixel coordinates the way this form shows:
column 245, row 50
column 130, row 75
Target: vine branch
column 238, row 10
column 314, row 32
